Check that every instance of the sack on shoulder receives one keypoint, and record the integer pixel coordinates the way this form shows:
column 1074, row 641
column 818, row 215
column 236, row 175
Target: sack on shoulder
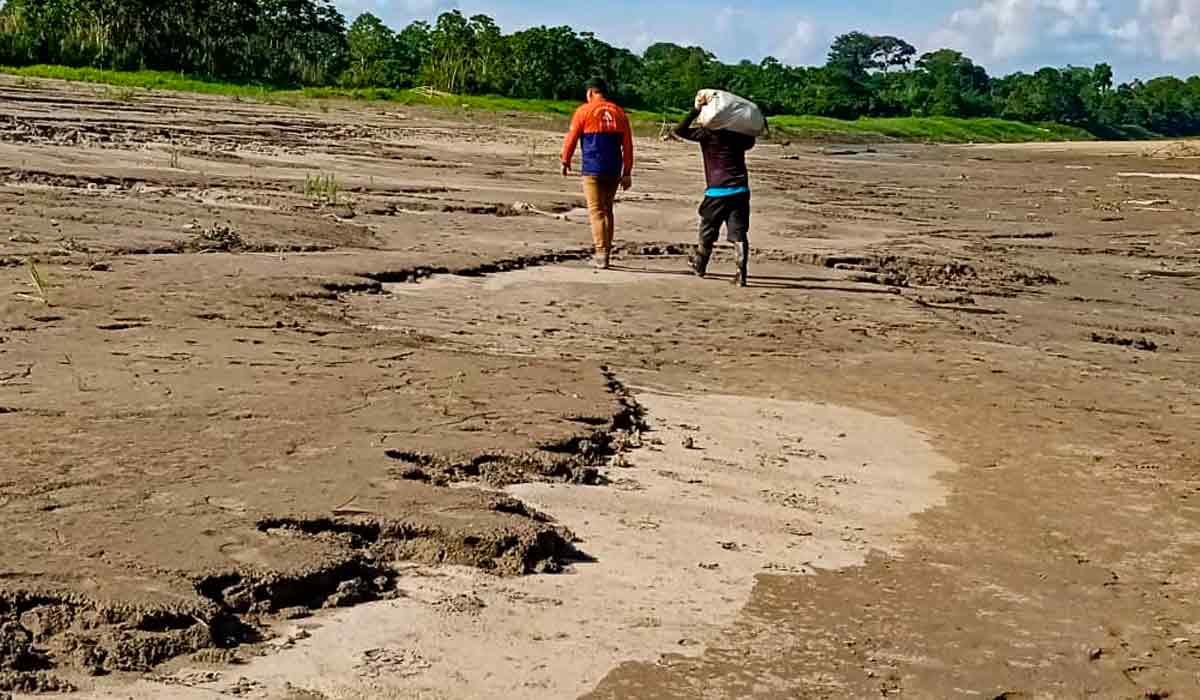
column 726, row 110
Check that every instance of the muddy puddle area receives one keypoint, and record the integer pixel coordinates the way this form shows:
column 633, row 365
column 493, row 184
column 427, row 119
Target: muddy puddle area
column 396, row 439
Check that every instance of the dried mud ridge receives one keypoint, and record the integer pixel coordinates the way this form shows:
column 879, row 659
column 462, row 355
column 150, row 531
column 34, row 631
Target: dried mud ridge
column 159, row 183
column 576, row 460
column 1120, row 341
column 416, row 274
column 980, row 276
column 373, row 282
column 235, row 130
column 41, row 632
column 917, row 271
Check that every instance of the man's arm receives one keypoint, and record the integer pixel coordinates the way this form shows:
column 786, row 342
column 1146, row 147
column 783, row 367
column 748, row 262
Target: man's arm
column 572, row 141
column 626, row 147
column 685, row 130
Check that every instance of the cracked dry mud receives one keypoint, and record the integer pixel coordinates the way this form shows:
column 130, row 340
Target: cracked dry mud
column 258, row 444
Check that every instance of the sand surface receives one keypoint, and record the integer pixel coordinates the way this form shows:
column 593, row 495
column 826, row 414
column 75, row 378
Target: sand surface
column 267, row 441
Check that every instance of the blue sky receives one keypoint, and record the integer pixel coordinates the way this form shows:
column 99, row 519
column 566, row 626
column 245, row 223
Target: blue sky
column 1140, row 38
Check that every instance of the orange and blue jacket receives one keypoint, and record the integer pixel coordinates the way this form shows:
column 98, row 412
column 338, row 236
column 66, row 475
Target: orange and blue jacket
column 607, row 140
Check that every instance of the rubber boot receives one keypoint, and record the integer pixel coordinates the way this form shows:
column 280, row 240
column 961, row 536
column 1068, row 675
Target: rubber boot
column 698, row 260
column 741, row 252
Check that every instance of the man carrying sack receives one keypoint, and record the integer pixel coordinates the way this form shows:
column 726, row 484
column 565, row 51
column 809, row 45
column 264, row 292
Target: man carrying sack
column 607, row 140
column 725, row 126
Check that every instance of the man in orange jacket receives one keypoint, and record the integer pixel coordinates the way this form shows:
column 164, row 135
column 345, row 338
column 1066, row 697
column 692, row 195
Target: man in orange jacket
column 603, row 128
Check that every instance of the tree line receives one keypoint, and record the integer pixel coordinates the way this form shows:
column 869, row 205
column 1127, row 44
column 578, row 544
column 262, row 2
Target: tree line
column 309, row 43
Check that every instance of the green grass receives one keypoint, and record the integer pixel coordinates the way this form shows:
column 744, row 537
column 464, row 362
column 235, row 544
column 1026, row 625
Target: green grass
column 933, row 129
column 322, row 188
column 159, row 80
column 489, row 103
column 481, row 103
column 39, row 282
column 144, row 79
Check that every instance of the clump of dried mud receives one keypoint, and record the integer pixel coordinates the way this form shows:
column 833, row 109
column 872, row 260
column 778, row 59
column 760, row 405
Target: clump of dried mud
column 976, row 275
column 42, row 632
column 935, row 271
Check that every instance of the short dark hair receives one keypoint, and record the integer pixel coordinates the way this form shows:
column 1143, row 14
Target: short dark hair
column 598, row 84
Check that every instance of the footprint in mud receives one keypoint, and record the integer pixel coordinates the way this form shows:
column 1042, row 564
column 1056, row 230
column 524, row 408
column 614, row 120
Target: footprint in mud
column 291, row 692
column 534, row 600
column 191, row 678
column 461, row 604
column 676, row 476
column 243, row 552
column 229, row 505
column 244, row 687
column 643, row 524
column 769, row 461
column 628, row 485
column 833, row 481
column 795, row 500
column 804, row 453
column 403, row 663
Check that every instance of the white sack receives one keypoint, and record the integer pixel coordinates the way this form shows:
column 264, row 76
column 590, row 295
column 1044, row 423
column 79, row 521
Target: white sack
column 726, row 110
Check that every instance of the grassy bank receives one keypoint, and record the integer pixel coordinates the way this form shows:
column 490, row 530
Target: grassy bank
column 932, row 129
column 144, row 79
column 488, row 103
column 158, row 80
column 918, row 129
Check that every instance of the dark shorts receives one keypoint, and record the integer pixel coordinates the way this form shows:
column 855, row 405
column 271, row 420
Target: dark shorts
column 732, row 212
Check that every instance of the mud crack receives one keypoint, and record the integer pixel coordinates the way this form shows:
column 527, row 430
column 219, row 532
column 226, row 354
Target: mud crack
column 418, row 273
column 1121, row 341
column 927, row 271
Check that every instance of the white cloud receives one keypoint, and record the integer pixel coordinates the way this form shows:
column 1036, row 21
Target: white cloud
column 1010, row 30
column 1171, row 26
column 1129, row 31
column 727, row 18
column 735, row 33
column 642, row 38
column 397, row 11
column 1005, row 29
column 801, row 46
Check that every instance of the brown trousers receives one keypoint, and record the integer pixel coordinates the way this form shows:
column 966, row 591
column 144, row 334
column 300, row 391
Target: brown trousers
column 601, row 193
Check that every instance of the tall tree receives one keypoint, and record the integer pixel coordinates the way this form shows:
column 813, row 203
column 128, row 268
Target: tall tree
column 451, row 53
column 853, row 54
column 548, row 63
column 892, row 52
column 372, row 53
column 413, row 46
column 952, row 85
column 674, row 74
column 492, row 64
